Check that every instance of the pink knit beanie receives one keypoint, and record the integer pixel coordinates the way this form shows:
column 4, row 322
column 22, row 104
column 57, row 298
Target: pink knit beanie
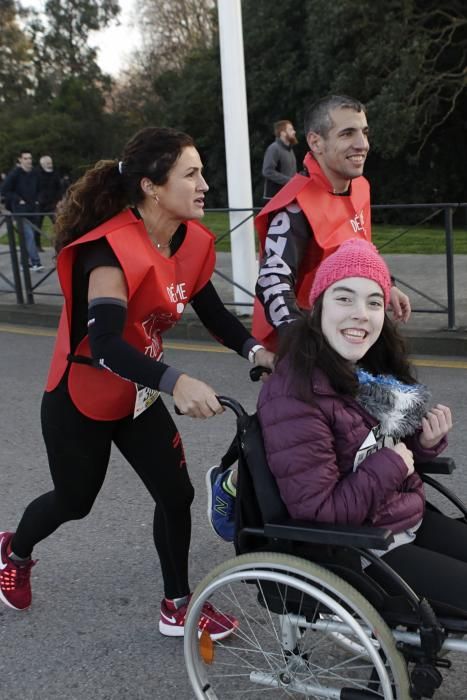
column 353, row 258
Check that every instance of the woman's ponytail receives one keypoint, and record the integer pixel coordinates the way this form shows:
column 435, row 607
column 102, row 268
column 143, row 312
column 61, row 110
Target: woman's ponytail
column 111, row 185
column 97, row 196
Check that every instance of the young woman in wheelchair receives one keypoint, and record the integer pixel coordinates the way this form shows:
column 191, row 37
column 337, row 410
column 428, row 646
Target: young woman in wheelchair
column 345, row 425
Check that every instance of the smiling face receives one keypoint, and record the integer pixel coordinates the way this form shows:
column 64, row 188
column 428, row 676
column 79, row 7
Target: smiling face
column 352, row 317
column 343, row 151
column 182, row 196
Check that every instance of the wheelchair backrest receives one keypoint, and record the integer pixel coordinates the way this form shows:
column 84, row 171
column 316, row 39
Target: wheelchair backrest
column 258, row 498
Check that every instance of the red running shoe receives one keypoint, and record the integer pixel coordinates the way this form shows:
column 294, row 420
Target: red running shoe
column 217, row 624
column 15, row 584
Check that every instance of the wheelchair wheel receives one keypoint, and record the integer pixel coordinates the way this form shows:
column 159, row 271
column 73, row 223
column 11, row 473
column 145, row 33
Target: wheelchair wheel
column 289, row 612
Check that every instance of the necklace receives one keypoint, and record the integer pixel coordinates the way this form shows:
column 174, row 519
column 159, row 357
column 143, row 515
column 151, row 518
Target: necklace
column 162, row 245
column 157, row 245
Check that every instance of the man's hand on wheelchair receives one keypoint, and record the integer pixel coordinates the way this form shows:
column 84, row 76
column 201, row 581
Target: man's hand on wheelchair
column 435, row 425
column 264, row 358
column 400, row 305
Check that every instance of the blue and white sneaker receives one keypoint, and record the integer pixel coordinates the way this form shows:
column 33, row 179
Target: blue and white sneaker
column 221, row 503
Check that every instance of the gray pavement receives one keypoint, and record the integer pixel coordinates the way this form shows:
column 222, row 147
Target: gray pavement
column 424, row 275
column 92, row 630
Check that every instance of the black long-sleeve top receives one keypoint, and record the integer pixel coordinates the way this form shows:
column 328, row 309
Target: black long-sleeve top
column 104, row 321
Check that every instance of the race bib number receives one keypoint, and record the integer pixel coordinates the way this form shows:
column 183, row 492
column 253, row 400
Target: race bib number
column 374, row 441
column 145, row 397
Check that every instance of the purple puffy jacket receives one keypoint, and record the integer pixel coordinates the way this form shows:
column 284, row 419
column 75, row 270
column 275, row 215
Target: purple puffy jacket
column 311, row 450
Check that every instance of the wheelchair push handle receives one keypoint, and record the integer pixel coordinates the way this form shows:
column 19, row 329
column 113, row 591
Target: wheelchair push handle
column 256, row 372
column 226, row 401
column 235, row 406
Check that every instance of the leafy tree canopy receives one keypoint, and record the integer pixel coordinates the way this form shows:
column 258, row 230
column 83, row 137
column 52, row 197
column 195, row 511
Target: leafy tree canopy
column 60, row 37
column 15, row 55
column 405, row 59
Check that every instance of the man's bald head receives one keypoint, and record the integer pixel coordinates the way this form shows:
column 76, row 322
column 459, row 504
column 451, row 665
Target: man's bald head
column 47, row 163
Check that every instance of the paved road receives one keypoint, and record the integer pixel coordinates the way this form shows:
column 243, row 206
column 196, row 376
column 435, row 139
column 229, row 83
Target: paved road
column 92, row 630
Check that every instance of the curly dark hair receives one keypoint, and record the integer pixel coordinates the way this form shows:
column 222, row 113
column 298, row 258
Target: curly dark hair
column 107, row 189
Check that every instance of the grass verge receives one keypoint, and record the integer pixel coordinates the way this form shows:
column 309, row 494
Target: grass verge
column 427, row 240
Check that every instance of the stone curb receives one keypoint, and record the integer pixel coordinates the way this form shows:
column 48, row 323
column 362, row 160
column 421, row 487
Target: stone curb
column 421, row 342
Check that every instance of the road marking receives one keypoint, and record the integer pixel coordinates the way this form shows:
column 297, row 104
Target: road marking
column 455, row 364
column 210, row 347
column 172, row 345
column 25, row 330
column 196, row 347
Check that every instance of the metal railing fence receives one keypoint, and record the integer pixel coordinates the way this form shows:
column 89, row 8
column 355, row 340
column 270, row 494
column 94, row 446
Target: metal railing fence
column 16, row 243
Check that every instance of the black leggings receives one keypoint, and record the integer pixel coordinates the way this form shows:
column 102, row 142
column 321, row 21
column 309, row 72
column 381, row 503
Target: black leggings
column 435, row 564
column 78, row 449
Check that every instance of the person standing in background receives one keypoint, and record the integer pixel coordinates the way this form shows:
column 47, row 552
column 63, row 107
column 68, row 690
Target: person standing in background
column 279, row 164
column 49, row 193
column 20, row 191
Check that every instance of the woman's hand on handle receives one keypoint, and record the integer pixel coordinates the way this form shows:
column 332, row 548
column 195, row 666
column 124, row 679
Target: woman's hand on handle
column 195, row 398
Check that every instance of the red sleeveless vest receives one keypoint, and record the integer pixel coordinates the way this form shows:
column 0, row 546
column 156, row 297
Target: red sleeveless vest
column 333, row 220
column 158, row 290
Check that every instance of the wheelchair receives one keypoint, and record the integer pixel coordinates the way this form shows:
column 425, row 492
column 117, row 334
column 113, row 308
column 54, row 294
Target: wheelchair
column 311, row 622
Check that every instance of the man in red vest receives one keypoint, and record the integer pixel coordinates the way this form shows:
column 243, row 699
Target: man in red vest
column 318, row 209
column 326, row 204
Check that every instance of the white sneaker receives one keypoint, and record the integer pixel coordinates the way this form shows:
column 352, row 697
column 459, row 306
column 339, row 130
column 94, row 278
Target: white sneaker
column 37, row 268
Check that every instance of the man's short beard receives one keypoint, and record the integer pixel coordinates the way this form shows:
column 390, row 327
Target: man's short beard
column 292, row 140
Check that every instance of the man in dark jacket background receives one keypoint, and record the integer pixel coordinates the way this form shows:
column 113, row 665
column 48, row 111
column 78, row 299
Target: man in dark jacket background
column 50, row 191
column 279, row 164
column 20, row 190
